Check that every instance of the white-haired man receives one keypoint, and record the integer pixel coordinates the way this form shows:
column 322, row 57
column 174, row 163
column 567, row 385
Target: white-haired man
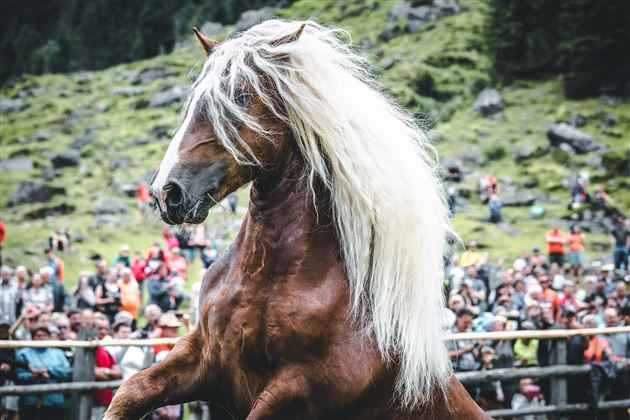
column 61, row 299
column 9, row 295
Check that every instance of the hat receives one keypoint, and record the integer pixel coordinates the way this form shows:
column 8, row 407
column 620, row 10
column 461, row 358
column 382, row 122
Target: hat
column 169, row 320
column 32, row 311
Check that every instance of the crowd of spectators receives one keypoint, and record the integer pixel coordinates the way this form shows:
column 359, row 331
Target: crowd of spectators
column 134, row 296
column 542, row 291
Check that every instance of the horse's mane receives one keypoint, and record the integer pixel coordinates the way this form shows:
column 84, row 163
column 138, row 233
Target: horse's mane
column 387, row 200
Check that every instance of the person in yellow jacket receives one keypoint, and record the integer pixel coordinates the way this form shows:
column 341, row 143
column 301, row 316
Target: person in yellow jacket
column 471, row 257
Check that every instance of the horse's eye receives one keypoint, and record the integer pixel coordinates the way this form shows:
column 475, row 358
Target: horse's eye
column 243, row 99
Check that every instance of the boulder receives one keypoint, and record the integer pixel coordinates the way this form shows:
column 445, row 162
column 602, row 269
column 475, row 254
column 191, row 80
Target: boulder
column 252, row 17
column 129, row 190
column 16, row 164
column 65, row 158
column 120, row 162
column 577, row 120
column 488, row 103
column 579, row 141
column 398, row 12
column 8, row 106
column 105, row 220
column 52, row 211
column 151, row 74
column 519, row 199
column 127, row 91
column 109, row 206
column 167, row 97
column 82, row 140
column 32, row 91
column 83, row 78
column 419, row 14
column 34, row 192
column 212, row 29
column 525, row 153
column 41, row 136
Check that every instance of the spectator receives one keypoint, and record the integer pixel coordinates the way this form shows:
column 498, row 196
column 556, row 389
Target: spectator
column 556, row 239
column 61, row 300
column 139, row 270
column 526, row 349
column 178, row 262
column 537, row 258
column 100, row 276
column 143, row 198
column 455, row 274
column 494, row 207
column 471, row 257
column 106, row 369
column 83, row 296
column 130, row 359
column 177, row 284
column 108, row 296
column 159, row 290
column 528, row 396
column 186, row 241
column 75, row 318
column 87, row 319
column 9, row 296
column 208, row 255
column 152, row 313
column 129, row 295
column 620, row 238
column 169, row 237
column 568, row 300
column 48, row 366
column 491, row 394
column 59, row 241
column 576, row 250
column 123, row 257
column 464, row 353
column 37, row 295
column 8, row 366
column 232, row 202
column 56, row 264
column 168, row 328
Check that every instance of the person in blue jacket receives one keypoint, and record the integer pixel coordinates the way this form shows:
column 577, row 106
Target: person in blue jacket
column 47, row 366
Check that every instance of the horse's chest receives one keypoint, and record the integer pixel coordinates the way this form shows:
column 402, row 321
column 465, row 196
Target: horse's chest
column 263, row 325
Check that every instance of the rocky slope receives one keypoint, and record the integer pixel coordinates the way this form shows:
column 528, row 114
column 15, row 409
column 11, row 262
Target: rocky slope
column 74, row 146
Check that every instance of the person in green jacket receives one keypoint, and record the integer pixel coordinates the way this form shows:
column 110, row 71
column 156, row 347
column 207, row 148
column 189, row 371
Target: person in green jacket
column 47, row 366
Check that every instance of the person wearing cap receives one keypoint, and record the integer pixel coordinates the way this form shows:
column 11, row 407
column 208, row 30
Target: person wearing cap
column 472, row 256
column 556, row 240
column 123, row 257
column 49, row 366
column 169, row 328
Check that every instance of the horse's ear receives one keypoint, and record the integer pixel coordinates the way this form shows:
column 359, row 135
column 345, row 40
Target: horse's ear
column 206, row 43
column 290, row 38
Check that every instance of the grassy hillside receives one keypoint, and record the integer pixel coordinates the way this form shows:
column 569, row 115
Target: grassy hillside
column 436, row 71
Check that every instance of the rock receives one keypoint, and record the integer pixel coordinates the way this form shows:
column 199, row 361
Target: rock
column 109, row 206
column 577, row 120
column 33, row 192
column 525, row 153
column 167, row 97
column 447, row 7
column 389, row 33
column 83, row 78
column 48, row 173
column 252, row 17
column 82, row 140
column 609, row 122
column 126, row 75
column 129, row 190
column 16, row 164
column 79, row 115
column 104, row 220
column 212, row 29
column 8, row 106
column 43, row 212
column 522, row 199
column 161, row 132
column 580, row 141
column 611, row 101
column 488, row 103
column 41, row 136
column 151, row 74
column 398, row 12
column 102, row 106
column 65, row 158
column 121, row 162
column 366, row 43
column 420, row 13
column 85, row 170
column 127, row 91
column 32, row 91
column 387, row 63
column 530, row 183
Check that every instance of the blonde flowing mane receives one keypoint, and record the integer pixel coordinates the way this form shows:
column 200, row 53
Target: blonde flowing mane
column 387, row 200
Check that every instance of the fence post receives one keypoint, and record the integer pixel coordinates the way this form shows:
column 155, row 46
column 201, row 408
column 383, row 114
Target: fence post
column 83, row 371
column 559, row 384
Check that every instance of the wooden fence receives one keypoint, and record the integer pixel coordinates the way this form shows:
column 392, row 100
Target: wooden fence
column 83, row 384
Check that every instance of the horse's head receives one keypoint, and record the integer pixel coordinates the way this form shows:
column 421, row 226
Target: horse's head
column 228, row 136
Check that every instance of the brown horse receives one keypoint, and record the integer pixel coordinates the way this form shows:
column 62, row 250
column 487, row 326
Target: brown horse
column 328, row 304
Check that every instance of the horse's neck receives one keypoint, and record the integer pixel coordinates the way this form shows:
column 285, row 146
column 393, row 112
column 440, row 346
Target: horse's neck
column 284, row 226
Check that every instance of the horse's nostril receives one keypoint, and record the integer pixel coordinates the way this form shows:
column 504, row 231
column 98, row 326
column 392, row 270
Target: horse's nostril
column 174, row 194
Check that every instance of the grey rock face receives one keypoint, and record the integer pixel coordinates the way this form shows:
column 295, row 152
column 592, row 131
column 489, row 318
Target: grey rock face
column 420, row 13
column 578, row 140
column 34, row 192
column 16, row 164
column 149, row 75
column 120, row 162
column 82, row 140
column 519, row 199
column 52, row 211
column 167, row 97
column 127, row 91
column 65, row 158
column 109, row 206
column 488, row 103
column 8, row 106
column 212, row 29
column 253, row 17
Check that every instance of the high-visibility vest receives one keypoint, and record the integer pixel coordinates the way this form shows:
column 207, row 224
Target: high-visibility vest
column 596, row 348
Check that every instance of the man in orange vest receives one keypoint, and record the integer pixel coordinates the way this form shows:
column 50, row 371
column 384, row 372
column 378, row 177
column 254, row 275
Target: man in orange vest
column 556, row 239
column 599, row 349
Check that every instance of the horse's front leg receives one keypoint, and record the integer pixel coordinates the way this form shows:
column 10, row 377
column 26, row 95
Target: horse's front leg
column 176, row 379
column 285, row 397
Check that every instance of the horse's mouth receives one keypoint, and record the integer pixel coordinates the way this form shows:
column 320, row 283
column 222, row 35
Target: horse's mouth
column 194, row 212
